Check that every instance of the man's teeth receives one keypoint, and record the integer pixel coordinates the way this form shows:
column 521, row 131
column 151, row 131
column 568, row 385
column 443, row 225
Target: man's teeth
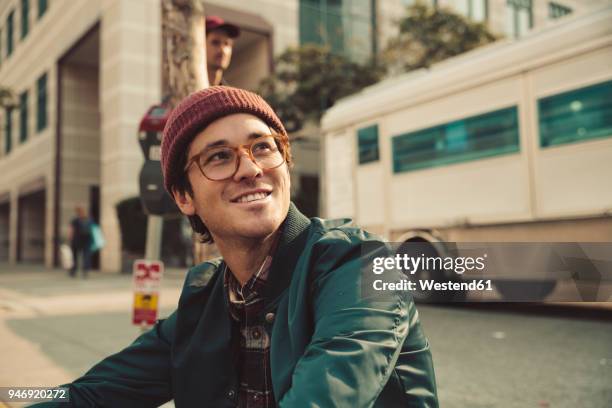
column 251, row 197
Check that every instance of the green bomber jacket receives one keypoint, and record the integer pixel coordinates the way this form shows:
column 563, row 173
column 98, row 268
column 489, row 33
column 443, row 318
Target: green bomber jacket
column 332, row 344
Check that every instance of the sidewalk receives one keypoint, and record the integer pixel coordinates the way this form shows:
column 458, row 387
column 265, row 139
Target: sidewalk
column 53, row 327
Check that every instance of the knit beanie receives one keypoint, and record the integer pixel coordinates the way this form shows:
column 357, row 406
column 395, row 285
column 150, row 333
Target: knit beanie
column 196, row 112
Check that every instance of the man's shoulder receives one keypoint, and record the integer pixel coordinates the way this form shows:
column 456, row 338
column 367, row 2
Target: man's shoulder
column 201, row 274
column 340, row 232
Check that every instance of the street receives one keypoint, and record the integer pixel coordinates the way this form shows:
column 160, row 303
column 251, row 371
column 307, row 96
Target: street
column 53, row 328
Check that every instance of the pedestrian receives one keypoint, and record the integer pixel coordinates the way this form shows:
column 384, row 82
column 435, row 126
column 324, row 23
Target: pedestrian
column 220, row 37
column 284, row 320
column 80, row 237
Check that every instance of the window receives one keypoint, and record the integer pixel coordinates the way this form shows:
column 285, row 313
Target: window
column 42, row 7
column 519, row 17
column 25, row 17
column 491, row 134
column 348, row 27
column 8, row 130
column 577, row 115
column 367, row 139
column 556, row 10
column 475, row 10
column 9, row 33
column 41, row 103
column 23, row 117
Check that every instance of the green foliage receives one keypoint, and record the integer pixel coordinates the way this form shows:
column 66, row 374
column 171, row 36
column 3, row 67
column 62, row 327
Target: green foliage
column 429, row 35
column 309, row 79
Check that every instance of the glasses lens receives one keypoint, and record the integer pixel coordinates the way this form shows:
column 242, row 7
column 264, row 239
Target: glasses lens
column 218, row 163
column 266, row 153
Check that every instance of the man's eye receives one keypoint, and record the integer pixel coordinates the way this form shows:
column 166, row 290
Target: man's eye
column 263, row 146
column 217, row 157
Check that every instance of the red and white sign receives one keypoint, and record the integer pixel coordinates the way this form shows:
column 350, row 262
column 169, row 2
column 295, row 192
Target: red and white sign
column 147, row 277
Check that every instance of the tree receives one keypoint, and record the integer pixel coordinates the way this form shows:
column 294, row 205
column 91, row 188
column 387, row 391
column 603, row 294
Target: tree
column 429, row 35
column 7, row 98
column 183, row 49
column 309, row 79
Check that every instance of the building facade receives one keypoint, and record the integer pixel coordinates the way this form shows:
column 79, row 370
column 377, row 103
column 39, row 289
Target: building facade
column 513, row 18
column 84, row 73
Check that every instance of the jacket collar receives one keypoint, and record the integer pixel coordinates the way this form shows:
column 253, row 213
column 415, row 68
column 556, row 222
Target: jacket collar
column 293, row 238
column 291, row 243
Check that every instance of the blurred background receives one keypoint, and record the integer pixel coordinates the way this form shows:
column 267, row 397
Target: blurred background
column 427, row 121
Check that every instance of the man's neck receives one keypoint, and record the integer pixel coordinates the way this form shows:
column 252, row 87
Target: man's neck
column 215, row 76
column 245, row 257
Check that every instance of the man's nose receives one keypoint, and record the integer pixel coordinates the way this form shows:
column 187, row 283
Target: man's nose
column 247, row 168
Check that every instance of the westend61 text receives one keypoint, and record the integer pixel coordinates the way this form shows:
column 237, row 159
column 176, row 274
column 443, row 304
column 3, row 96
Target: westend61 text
column 430, row 284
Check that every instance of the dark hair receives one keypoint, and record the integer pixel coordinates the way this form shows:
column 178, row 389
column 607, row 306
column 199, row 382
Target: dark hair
column 183, row 186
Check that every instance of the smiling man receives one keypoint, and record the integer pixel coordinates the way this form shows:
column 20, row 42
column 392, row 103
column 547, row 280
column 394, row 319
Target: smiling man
column 282, row 318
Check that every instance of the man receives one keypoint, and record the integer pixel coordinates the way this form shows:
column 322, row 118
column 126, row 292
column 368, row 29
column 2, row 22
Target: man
column 219, row 44
column 282, row 318
column 80, row 237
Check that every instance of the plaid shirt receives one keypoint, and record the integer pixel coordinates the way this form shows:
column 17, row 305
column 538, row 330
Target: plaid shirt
column 246, row 308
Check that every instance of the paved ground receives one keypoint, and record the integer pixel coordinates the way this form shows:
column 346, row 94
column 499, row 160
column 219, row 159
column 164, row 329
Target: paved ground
column 52, row 328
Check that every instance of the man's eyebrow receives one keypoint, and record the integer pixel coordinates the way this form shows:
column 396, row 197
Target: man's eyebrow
column 224, row 142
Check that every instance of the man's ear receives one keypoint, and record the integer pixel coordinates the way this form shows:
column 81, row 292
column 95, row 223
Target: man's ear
column 184, row 201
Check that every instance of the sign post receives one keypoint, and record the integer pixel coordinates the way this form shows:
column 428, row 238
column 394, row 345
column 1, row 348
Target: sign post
column 147, row 277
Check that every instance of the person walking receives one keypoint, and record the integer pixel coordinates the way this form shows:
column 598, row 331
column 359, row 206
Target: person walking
column 80, row 237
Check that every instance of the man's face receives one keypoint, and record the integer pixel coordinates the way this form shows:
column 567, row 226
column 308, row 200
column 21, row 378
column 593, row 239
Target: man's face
column 217, row 202
column 218, row 50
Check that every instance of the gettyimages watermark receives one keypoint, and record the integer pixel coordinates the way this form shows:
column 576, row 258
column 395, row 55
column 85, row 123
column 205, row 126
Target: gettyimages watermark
column 510, row 272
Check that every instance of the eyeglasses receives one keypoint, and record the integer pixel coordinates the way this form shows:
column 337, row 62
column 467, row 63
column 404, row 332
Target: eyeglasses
column 222, row 162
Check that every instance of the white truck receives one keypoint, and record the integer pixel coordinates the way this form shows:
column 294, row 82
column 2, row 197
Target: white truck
column 511, row 142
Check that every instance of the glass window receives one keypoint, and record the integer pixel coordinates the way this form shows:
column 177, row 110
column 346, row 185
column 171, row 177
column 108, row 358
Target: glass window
column 475, row 10
column 25, row 17
column 556, row 10
column 577, row 115
column 519, row 17
column 462, row 7
column 42, row 7
column 9, row 33
column 478, row 10
column 23, row 117
column 491, row 134
column 347, row 27
column 41, row 103
column 367, row 139
column 8, row 130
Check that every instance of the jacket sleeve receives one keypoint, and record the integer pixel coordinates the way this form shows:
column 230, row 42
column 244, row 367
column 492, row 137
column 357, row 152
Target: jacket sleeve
column 138, row 376
column 359, row 337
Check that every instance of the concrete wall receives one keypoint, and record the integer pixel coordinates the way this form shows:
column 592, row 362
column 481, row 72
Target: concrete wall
column 130, row 82
column 4, row 230
column 32, row 227
column 80, row 129
column 282, row 14
column 250, row 66
column 33, row 162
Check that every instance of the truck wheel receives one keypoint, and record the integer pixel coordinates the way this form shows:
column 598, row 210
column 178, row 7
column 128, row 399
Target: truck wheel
column 415, row 247
column 525, row 290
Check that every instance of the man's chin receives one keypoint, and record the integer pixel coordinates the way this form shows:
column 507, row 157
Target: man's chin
column 259, row 230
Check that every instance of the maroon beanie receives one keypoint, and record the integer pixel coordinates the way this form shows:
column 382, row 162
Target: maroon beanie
column 199, row 110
